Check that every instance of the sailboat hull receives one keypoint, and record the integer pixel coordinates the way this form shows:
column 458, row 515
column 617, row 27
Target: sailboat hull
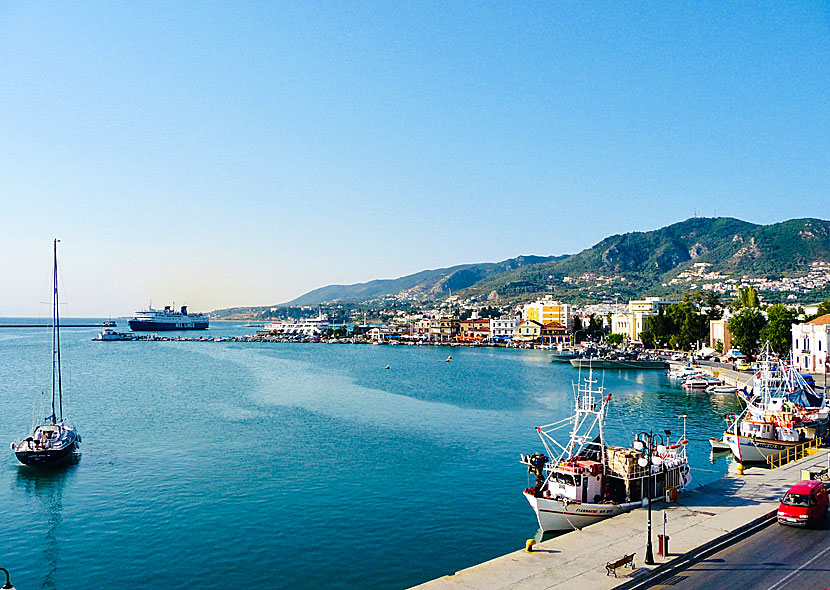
column 50, row 457
column 51, row 452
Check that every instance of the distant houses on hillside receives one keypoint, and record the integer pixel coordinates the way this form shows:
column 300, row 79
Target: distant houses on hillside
column 544, row 322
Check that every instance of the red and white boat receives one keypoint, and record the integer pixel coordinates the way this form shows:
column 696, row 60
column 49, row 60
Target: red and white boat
column 782, row 412
column 588, row 481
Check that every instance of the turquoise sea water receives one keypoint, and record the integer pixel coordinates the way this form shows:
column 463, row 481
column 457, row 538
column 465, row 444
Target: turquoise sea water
column 216, row 465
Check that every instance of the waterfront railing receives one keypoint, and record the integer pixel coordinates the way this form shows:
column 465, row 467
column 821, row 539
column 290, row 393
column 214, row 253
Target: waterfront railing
column 794, row 453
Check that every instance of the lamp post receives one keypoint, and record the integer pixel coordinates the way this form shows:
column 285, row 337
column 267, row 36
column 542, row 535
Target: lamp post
column 645, row 442
column 8, row 584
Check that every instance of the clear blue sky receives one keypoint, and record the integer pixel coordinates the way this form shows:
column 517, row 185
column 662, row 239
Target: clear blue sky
column 241, row 153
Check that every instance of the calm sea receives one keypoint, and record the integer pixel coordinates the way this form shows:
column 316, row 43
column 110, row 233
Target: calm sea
column 230, row 465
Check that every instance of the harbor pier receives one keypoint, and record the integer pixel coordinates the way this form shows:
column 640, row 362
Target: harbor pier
column 712, row 515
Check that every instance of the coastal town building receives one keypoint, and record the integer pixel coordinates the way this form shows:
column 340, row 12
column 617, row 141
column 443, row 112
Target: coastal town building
column 630, row 323
column 718, row 332
column 420, row 329
column 445, row 328
column 548, row 310
column 503, row 329
column 555, row 333
column 810, row 343
column 474, row 329
column 378, row 334
column 528, row 331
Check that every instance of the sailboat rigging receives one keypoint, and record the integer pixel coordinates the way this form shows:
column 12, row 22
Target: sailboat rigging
column 54, row 441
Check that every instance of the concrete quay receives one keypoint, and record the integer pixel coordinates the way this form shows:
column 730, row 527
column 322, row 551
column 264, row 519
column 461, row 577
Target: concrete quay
column 577, row 559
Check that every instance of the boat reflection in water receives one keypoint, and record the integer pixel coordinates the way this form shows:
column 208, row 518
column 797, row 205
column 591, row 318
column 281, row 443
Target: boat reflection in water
column 45, row 486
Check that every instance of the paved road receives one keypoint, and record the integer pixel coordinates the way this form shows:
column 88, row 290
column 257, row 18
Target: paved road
column 776, row 558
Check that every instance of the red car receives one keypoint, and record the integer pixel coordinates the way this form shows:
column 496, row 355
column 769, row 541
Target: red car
column 805, row 504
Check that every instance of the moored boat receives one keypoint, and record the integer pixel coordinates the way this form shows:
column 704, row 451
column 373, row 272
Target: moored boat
column 110, row 335
column 54, row 441
column 600, row 363
column 718, row 445
column 722, row 389
column 587, row 481
column 782, row 412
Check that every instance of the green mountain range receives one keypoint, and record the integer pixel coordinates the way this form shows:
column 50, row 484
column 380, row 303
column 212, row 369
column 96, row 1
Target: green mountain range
column 627, row 265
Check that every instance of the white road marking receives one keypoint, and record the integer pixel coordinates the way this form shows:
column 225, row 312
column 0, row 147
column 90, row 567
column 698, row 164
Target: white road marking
column 780, row 583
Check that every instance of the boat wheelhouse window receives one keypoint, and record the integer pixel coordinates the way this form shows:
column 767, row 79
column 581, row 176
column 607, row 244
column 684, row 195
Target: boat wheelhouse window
column 565, row 479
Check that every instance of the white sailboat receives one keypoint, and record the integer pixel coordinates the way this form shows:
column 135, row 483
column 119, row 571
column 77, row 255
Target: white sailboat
column 54, row 441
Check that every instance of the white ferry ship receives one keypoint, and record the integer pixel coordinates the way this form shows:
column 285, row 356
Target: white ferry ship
column 304, row 327
column 152, row 320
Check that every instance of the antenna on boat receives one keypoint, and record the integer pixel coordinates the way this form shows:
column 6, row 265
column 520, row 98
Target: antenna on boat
column 684, row 416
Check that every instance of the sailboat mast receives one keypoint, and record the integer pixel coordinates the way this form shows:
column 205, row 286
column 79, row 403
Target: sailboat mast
column 56, row 340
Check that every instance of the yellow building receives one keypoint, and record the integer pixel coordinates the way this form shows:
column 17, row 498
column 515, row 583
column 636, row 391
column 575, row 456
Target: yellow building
column 528, row 331
column 547, row 310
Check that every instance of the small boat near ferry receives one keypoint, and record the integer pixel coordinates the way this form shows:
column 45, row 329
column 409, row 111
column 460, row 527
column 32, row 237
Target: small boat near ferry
column 587, row 481
column 54, row 441
column 110, row 335
column 153, row 320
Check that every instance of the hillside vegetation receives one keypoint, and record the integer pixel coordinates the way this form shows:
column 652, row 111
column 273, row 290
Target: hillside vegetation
column 624, row 265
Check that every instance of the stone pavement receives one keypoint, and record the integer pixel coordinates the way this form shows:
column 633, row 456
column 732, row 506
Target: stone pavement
column 576, row 560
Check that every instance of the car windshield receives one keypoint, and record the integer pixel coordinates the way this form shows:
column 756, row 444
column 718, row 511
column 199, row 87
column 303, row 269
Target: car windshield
column 796, row 499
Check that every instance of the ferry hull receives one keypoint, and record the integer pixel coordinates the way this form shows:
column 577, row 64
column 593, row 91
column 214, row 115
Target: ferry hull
column 557, row 515
column 142, row 326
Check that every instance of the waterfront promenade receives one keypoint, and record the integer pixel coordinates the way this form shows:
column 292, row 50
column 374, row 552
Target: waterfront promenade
column 577, row 559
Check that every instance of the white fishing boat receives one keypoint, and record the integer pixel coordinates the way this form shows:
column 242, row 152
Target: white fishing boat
column 718, row 445
column 782, row 412
column 588, row 481
column 683, row 372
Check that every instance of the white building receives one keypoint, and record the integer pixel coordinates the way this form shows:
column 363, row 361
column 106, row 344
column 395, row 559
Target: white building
column 503, row 328
column 630, row 323
column 810, row 343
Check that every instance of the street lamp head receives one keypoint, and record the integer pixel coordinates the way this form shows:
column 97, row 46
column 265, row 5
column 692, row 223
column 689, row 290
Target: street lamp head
column 661, row 449
column 657, row 460
column 8, row 584
column 642, row 462
column 638, row 444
